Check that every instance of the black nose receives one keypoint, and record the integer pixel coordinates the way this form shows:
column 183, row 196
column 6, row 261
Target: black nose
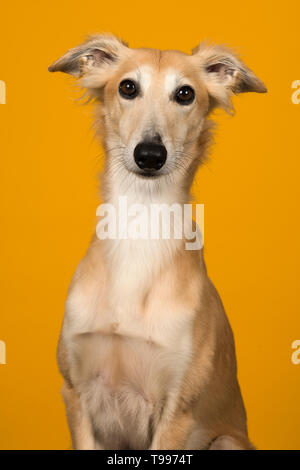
column 150, row 156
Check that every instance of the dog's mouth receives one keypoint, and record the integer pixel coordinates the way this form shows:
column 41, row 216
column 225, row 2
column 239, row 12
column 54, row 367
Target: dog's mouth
column 147, row 174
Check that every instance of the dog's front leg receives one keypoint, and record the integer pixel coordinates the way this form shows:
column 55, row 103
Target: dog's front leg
column 173, row 433
column 78, row 420
column 234, row 442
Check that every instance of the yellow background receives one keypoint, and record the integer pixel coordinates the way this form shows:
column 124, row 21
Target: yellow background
column 250, row 188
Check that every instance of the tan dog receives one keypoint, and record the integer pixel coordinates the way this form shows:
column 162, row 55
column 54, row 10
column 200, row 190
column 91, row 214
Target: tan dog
column 146, row 350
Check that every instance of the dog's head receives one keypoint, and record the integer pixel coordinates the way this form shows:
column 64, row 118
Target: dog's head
column 154, row 104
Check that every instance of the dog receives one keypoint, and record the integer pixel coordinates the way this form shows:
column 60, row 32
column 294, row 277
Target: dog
column 146, row 351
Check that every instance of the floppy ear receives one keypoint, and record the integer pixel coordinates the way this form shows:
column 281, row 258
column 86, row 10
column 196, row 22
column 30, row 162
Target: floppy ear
column 224, row 74
column 96, row 53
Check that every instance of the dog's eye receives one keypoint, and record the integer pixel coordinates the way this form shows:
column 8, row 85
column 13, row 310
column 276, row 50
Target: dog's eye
column 185, row 95
column 128, row 89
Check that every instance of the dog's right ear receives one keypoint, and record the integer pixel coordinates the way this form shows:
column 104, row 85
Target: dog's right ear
column 96, row 53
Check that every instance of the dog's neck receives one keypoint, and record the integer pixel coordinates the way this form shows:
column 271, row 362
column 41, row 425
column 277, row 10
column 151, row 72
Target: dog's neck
column 135, row 262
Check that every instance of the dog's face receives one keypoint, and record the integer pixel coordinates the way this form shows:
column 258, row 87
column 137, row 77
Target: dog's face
column 154, row 104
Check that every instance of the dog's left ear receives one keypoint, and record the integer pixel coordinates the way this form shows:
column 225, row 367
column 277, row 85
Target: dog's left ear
column 96, row 54
column 224, row 74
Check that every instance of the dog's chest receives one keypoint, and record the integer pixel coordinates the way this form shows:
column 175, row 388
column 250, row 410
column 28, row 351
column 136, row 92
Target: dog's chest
column 126, row 358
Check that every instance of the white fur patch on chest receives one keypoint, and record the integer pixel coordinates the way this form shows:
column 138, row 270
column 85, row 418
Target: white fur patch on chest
column 126, row 353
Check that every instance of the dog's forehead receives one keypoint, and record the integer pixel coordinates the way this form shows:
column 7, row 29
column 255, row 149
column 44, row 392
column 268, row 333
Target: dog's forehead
column 165, row 68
